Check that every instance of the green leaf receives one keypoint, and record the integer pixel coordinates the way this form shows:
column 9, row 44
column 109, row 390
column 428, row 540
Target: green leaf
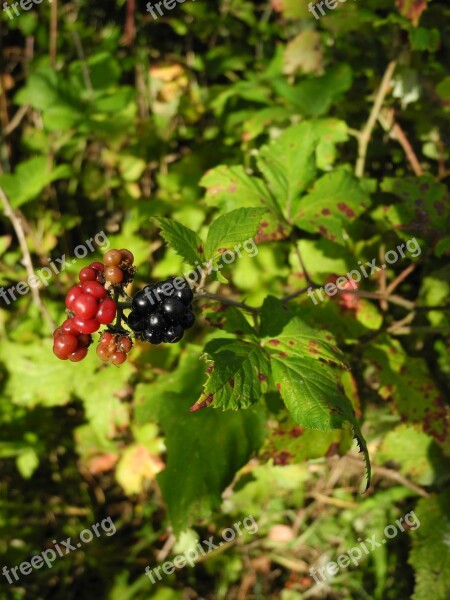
column 34, row 371
column 232, row 228
column 425, row 39
column 417, row 455
column 443, row 88
column 238, row 373
column 408, row 383
column 30, row 178
column 204, row 451
column 231, row 188
column 260, row 120
column 307, row 368
column 183, row 240
column 430, row 554
column 27, row 462
column 288, row 164
column 293, row 444
column 329, row 132
column 314, row 97
column 335, row 201
column 423, row 209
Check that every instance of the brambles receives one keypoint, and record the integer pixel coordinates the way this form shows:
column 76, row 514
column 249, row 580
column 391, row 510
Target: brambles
column 160, row 312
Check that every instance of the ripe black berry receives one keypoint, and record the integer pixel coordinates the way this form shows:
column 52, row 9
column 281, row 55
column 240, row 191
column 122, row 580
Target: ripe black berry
column 152, row 336
column 136, row 321
column 187, row 320
column 157, row 322
column 185, row 295
column 141, row 303
column 173, row 309
column 161, row 312
column 173, row 334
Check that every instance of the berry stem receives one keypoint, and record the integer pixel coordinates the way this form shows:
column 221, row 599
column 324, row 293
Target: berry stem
column 120, row 308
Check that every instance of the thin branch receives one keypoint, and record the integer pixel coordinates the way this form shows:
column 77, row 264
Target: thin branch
column 313, row 286
column 399, row 324
column 394, row 299
column 421, row 330
column 83, row 62
column 395, row 132
column 403, row 275
column 366, row 133
column 228, row 301
column 392, row 475
column 53, row 32
column 302, row 264
column 382, row 280
column 18, row 228
column 444, row 175
column 16, row 120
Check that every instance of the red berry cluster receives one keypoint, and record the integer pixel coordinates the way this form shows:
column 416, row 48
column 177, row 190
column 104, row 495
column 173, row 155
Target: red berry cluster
column 68, row 343
column 89, row 308
column 114, row 347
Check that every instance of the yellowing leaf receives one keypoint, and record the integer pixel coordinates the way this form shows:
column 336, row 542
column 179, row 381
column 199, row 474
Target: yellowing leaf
column 304, row 54
column 137, row 466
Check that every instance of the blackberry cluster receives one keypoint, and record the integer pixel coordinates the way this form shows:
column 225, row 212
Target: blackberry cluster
column 161, row 312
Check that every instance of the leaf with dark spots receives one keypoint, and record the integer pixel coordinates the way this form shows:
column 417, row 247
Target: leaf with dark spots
column 273, row 232
column 301, row 444
column 407, row 381
column 282, row 458
column 421, row 207
column 330, row 208
column 234, row 381
column 308, row 376
column 247, row 191
column 346, row 210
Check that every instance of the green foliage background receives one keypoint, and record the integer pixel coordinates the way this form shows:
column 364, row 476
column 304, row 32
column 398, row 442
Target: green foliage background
column 219, row 122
